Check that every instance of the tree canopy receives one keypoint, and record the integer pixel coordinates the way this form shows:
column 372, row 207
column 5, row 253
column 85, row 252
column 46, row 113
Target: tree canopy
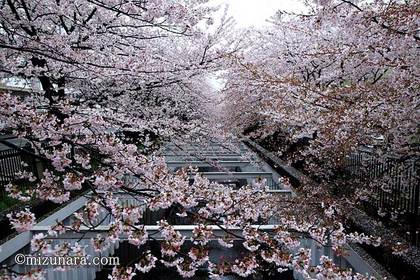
column 118, row 78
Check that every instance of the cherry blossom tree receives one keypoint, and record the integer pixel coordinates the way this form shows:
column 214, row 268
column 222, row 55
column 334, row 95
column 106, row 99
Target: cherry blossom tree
column 342, row 75
column 117, row 77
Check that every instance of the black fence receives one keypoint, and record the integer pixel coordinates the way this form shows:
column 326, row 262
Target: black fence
column 393, row 186
column 10, row 164
column 13, row 161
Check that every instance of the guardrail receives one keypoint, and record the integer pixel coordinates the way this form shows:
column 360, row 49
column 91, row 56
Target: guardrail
column 395, row 186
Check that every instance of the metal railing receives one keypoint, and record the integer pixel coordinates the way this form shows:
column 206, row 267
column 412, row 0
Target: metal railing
column 12, row 162
column 394, row 185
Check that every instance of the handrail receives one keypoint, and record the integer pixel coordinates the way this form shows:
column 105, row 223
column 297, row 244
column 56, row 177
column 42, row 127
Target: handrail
column 13, row 245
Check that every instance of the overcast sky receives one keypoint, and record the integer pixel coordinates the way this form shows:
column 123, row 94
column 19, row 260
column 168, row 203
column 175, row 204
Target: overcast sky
column 255, row 12
column 249, row 13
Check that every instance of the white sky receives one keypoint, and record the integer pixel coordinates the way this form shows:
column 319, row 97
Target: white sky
column 255, row 12
column 249, row 13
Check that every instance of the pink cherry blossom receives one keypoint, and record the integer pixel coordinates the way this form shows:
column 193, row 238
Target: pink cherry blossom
column 22, row 221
